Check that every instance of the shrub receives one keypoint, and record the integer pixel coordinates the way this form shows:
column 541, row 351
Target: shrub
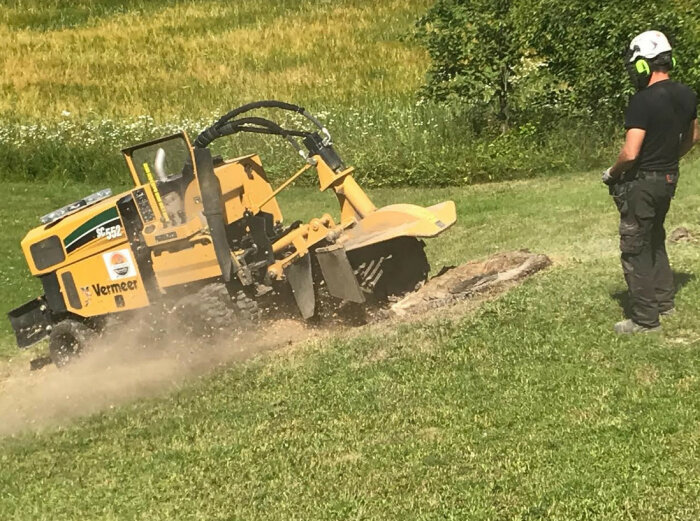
column 533, row 61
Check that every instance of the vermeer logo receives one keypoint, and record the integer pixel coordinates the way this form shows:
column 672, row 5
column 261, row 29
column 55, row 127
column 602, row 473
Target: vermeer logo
column 113, row 289
column 87, row 294
column 119, row 264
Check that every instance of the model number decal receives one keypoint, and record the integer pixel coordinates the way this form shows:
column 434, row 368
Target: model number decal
column 110, row 232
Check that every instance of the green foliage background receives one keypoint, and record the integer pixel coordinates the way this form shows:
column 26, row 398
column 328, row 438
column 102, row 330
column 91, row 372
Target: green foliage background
column 532, row 62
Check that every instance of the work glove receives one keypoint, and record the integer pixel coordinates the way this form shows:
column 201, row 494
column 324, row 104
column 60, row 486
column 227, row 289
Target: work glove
column 607, row 178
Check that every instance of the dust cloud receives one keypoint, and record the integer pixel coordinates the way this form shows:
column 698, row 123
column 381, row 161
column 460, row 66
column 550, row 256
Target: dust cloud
column 123, row 368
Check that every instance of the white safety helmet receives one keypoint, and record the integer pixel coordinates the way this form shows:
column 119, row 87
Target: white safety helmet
column 648, row 45
column 646, row 50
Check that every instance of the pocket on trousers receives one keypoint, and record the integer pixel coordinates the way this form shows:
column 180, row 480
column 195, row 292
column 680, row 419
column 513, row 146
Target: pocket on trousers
column 631, row 240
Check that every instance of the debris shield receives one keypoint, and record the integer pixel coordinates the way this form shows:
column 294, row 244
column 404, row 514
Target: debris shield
column 400, row 220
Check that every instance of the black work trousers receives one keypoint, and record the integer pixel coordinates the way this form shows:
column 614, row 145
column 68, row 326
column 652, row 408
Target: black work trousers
column 643, row 203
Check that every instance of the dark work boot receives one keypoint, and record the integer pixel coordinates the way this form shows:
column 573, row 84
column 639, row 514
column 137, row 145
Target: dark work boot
column 629, row 326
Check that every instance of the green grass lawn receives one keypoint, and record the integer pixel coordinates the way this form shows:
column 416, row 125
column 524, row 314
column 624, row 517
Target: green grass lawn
column 527, row 408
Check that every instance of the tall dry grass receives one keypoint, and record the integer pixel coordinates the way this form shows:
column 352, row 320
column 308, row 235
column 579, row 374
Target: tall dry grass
column 176, row 60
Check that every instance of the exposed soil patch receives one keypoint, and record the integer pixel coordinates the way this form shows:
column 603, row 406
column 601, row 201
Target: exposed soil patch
column 465, row 281
column 681, row 234
column 124, row 367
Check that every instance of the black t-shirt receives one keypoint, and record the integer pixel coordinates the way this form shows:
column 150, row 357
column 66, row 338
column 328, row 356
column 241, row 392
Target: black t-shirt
column 665, row 110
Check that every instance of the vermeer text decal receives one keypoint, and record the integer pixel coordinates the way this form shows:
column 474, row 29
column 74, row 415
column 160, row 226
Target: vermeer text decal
column 113, row 289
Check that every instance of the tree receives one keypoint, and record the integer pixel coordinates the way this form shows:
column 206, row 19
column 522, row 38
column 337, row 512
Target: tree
column 474, row 51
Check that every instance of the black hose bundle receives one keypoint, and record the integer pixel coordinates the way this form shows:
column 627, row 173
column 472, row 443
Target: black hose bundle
column 227, row 125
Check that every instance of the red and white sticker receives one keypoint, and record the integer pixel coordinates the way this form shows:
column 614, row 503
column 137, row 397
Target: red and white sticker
column 119, row 264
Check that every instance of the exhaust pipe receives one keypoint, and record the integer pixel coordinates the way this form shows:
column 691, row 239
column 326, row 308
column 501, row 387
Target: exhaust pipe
column 211, row 200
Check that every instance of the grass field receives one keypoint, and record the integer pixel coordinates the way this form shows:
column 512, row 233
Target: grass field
column 81, row 79
column 122, row 61
column 527, row 408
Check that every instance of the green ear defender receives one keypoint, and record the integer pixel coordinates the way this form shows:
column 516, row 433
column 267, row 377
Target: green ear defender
column 642, row 67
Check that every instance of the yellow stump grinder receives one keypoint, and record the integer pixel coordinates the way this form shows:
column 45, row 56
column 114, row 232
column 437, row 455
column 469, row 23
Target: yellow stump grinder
column 209, row 232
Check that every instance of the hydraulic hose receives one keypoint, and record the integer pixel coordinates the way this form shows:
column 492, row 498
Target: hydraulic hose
column 214, row 131
column 264, row 126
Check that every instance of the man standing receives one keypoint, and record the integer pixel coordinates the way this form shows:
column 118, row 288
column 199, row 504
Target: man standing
column 661, row 123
